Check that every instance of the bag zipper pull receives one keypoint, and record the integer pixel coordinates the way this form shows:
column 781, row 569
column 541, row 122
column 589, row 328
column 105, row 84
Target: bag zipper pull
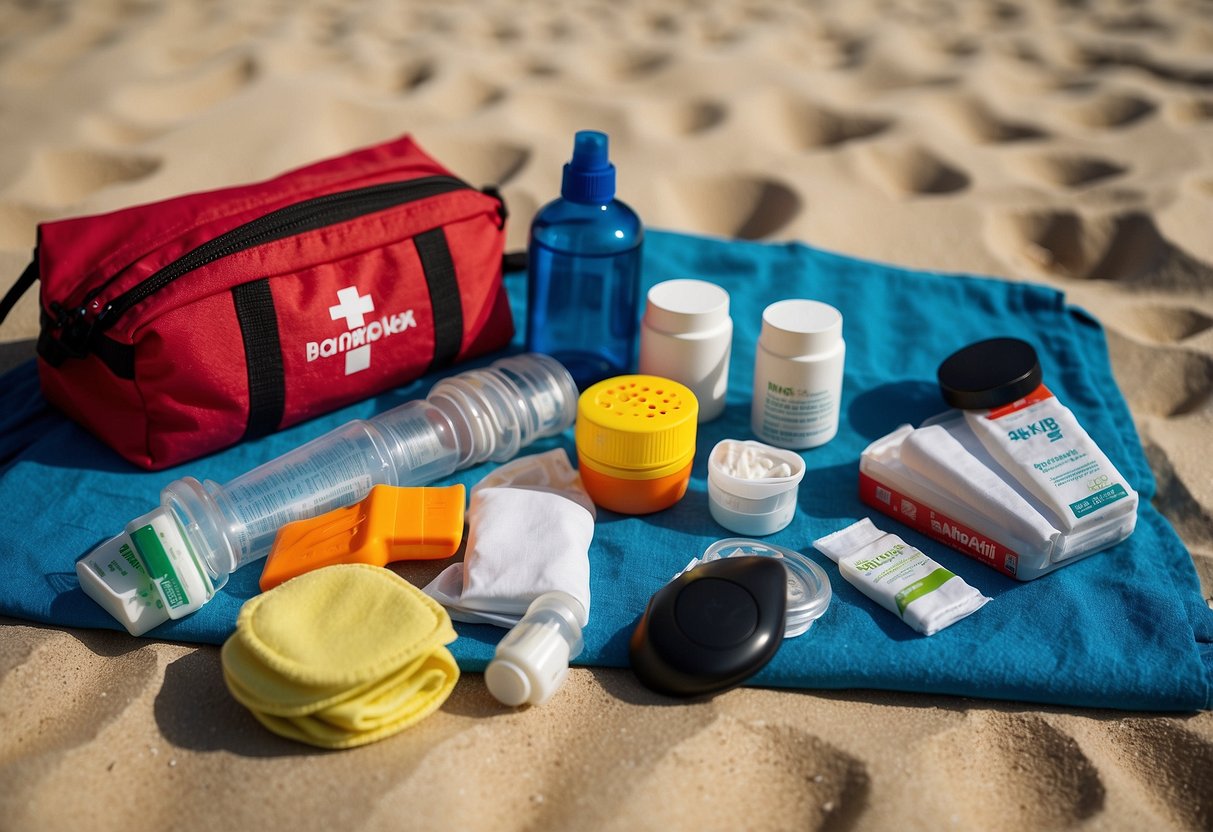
column 78, row 331
column 77, row 337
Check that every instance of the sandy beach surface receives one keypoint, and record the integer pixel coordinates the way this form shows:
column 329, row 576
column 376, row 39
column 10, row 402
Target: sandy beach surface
column 1066, row 143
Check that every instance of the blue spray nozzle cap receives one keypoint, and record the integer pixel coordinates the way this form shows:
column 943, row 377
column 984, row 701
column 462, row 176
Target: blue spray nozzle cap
column 589, row 177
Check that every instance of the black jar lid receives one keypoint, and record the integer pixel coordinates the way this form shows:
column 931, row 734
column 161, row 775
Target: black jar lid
column 989, row 374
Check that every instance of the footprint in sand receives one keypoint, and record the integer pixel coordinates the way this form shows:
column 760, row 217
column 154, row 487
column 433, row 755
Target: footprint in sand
column 608, row 755
column 911, row 170
column 113, row 130
column 886, row 74
column 1158, row 324
column 110, row 675
column 732, row 205
column 414, row 75
column 739, row 771
column 1111, row 110
column 540, row 67
column 1118, row 55
column 1171, row 764
column 800, row 124
column 1171, row 380
column 480, row 162
column 1137, row 22
column 1011, row 772
column 1126, row 247
column 560, row 30
column 462, row 95
column 628, row 64
column 506, row 32
column 633, row 759
column 66, row 176
column 1192, row 111
column 168, row 100
column 833, row 48
column 664, row 24
column 680, row 117
column 1070, row 171
column 557, row 115
column 974, row 120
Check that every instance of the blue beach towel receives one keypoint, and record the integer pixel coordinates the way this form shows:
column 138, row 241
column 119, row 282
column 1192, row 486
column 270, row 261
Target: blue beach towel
column 1127, row 628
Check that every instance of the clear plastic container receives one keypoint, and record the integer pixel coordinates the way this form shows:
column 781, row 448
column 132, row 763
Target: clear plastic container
column 809, row 589
column 478, row 415
column 749, row 502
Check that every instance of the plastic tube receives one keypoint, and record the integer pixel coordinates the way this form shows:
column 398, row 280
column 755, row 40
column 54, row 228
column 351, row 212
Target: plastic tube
column 204, row 531
column 532, row 661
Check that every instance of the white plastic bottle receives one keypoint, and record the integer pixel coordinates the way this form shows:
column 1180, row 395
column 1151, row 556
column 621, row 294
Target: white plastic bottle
column 532, row 661
column 687, row 335
column 169, row 562
column 798, row 374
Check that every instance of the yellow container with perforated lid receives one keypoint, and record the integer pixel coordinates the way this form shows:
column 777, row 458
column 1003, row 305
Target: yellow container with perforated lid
column 636, row 442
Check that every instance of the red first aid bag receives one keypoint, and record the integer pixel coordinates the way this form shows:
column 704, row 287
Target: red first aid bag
column 174, row 329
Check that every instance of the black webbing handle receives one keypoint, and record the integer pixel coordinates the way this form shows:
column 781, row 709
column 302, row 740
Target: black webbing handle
column 26, row 280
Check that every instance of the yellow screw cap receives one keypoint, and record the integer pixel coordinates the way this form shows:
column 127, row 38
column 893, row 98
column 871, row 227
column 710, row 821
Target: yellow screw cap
column 636, row 426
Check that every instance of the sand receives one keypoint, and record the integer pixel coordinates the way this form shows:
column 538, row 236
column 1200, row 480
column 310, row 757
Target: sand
column 1067, row 143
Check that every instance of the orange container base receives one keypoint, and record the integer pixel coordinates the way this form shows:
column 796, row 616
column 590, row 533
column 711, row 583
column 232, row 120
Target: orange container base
column 635, row 496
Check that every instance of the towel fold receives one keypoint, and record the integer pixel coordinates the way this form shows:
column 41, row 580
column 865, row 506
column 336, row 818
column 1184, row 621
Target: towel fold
column 341, row 656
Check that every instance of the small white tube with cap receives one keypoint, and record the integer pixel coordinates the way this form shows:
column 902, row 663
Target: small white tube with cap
column 532, row 661
column 900, row 578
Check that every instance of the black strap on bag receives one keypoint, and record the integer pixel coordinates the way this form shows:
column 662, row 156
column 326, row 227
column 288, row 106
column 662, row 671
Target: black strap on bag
column 263, row 356
column 445, row 301
column 23, row 284
column 514, row 261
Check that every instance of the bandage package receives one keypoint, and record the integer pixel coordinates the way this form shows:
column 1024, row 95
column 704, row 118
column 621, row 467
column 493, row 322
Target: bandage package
column 1010, row 478
column 902, row 579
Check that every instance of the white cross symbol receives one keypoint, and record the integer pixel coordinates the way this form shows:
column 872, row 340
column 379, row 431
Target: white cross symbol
column 352, row 306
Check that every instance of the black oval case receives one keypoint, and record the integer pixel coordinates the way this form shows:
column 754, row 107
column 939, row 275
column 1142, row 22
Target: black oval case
column 712, row 627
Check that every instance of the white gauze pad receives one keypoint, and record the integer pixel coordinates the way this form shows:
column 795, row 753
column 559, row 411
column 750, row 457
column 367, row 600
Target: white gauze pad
column 900, row 578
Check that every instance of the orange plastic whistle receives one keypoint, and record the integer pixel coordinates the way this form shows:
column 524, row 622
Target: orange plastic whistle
column 389, row 524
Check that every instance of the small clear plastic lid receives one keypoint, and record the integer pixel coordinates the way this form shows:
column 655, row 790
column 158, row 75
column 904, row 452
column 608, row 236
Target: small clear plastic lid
column 809, row 590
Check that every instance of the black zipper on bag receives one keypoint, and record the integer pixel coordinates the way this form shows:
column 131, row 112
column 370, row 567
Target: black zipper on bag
column 309, row 215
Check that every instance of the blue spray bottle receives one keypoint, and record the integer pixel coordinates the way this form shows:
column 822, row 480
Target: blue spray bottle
column 583, row 290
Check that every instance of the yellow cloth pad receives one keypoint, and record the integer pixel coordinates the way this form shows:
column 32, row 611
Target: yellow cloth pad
column 341, row 656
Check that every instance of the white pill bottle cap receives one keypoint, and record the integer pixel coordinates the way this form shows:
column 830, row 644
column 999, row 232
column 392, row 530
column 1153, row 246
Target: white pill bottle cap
column 794, row 328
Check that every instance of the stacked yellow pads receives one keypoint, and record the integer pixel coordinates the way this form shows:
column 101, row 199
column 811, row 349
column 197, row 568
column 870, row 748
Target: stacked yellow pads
column 341, row 656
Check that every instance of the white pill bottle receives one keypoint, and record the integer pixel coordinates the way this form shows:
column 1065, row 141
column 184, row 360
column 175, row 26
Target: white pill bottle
column 798, row 374
column 687, row 335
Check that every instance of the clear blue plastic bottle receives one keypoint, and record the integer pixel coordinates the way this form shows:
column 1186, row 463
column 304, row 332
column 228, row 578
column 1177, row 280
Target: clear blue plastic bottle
column 583, row 289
